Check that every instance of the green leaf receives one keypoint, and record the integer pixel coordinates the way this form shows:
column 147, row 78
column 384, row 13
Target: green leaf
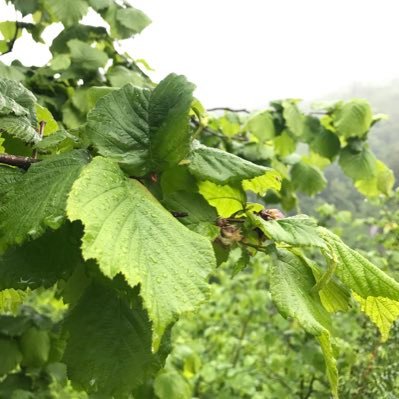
column 8, row 176
column 133, row 19
column 10, row 355
column 10, row 300
column 353, row 118
column 60, row 62
column 300, row 230
column 100, row 4
column 172, row 385
column 359, row 274
column 119, row 75
column 17, row 111
column 109, row 345
column 44, row 261
column 127, row 231
column 226, row 199
column 383, row 312
column 294, row 119
column 333, row 295
column 284, row 144
column 68, row 12
column 326, row 144
column 37, row 200
column 11, row 72
column 358, row 165
column 7, row 29
column 86, row 57
column 201, row 217
column 35, row 347
column 44, row 115
column 125, row 22
column 84, row 33
column 270, row 180
column 144, row 131
column 381, row 183
column 291, row 282
column 307, row 178
column 261, row 125
column 221, row 167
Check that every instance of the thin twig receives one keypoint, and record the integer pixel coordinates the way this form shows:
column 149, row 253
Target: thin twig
column 15, row 160
column 42, row 125
column 228, row 109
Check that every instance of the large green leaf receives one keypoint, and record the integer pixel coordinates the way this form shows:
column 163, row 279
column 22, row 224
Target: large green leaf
column 356, row 272
column 291, row 282
column 307, row 178
column 377, row 293
column 221, row 167
column 17, row 111
column 144, row 130
column 133, row 19
column 358, row 165
column 353, row 118
column 300, row 230
column 44, row 261
column 109, row 345
column 68, row 12
column 86, row 57
column 125, row 21
column 127, row 231
column 37, row 199
column 261, row 125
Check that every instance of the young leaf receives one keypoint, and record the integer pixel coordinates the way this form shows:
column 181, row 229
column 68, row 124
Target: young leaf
column 291, row 282
column 353, row 118
column 127, row 231
column 300, row 230
column 377, row 292
column 226, row 199
column 142, row 130
column 221, row 167
column 37, row 199
column 383, row 312
column 270, row 180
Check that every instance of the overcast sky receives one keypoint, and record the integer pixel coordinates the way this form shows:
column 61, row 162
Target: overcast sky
column 245, row 53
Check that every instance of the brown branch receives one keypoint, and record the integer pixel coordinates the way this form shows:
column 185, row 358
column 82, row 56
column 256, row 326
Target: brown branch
column 42, row 125
column 15, row 160
column 228, row 109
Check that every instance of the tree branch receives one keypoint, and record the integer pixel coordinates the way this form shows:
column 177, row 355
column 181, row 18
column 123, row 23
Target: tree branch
column 15, row 160
column 228, row 109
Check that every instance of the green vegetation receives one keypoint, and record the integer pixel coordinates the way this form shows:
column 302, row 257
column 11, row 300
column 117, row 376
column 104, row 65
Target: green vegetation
column 143, row 250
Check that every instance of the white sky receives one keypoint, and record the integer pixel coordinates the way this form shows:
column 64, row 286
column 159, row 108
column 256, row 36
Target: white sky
column 245, row 53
